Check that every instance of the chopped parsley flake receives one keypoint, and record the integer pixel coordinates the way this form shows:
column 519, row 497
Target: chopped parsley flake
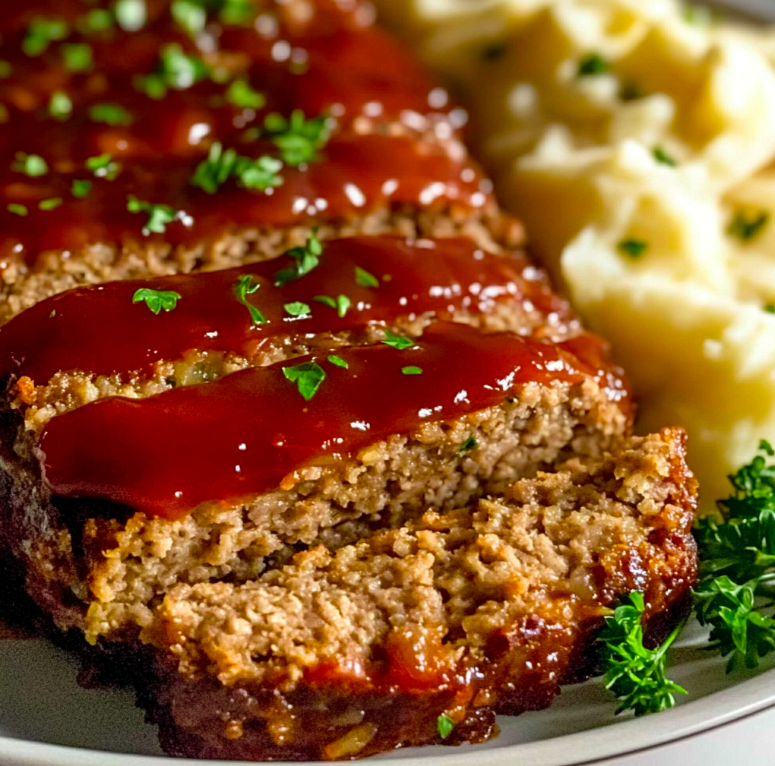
column 593, row 64
column 747, row 228
column 78, row 57
column 338, row 361
column 110, row 114
column 296, row 309
column 17, row 209
column 5, row 69
column 411, row 370
column 340, row 304
column 96, row 20
column 158, row 215
column 364, row 279
column 220, row 165
column 50, row 204
column 41, row 33
column 397, row 341
column 445, row 725
column 305, row 259
column 60, row 107
column 247, row 285
column 634, row 248
column 297, row 138
column 32, row 165
column 175, row 70
column 190, row 15
column 307, row 376
column 770, row 308
column 156, row 300
column 661, row 156
column 241, row 94
column 131, row 15
column 469, row 444
column 103, row 166
column 80, row 188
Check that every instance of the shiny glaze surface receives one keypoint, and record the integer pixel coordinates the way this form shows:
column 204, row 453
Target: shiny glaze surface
column 98, row 329
column 330, row 60
column 243, row 434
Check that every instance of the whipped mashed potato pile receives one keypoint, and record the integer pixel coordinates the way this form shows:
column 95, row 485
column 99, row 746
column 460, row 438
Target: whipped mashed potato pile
column 636, row 139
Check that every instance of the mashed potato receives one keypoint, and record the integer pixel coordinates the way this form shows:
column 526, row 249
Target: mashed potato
column 636, row 138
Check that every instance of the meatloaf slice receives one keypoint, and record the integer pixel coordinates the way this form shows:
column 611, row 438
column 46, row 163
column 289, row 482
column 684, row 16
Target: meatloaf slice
column 465, row 614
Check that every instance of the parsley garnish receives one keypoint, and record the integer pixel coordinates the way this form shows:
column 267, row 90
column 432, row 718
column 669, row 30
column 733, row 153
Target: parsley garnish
column 364, row 279
column 770, row 308
column 77, row 57
column 96, row 20
column 6, row 70
column 60, row 107
column 241, row 94
column 445, row 725
column 50, row 204
column 32, row 165
column 220, row 165
column 130, row 14
column 748, row 228
column 296, row 309
column 411, row 370
column 593, row 64
column 247, row 285
column 80, row 188
column 636, row 675
column 103, row 166
column 110, row 114
column 307, row 376
column 397, row 341
column 41, row 33
column 338, row 361
column 17, row 209
column 156, row 300
column 175, row 70
column 190, row 14
column 341, row 304
column 634, row 248
column 661, row 156
column 469, row 444
column 297, row 138
column 158, row 215
column 305, row 259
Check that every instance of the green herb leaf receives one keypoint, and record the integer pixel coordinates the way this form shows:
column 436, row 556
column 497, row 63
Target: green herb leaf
column 81, row 188
column 6, row 70
column 747, row 228
column 220, row 165
column 341, row 304
column 190, row 14
column 17, row 209
column 103, row 166
column 469, row 444
column 634, row 248
column 241, row 94
column 661, row 156
column 770, row 308
column 593, row 64
column 110, row 114
column 78, row 57
column 305, row 259
column 636, row 675
column 307, row 376
column 297, row 138
column 156, row 300
column 158, row 215
column 41, row 33
column 95, row 21
column 411, row 370
column 364, row 279
column 32, row 165
column 247, row 285
column 50, row 204
column 296, row 309
column 338, row 361
column 445, row 725
column 397, row 341
column 176, row 70
column 131, row 15
column 60, row 107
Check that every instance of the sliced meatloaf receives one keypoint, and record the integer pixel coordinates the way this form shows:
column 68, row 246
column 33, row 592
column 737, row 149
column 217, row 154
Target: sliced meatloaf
column 490, row 379
column 463, row 614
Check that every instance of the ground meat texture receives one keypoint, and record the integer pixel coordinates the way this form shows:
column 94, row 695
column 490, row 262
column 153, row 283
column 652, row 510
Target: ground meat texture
column 466, row 614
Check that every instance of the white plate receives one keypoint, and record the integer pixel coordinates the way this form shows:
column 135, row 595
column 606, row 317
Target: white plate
column 46, row 719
